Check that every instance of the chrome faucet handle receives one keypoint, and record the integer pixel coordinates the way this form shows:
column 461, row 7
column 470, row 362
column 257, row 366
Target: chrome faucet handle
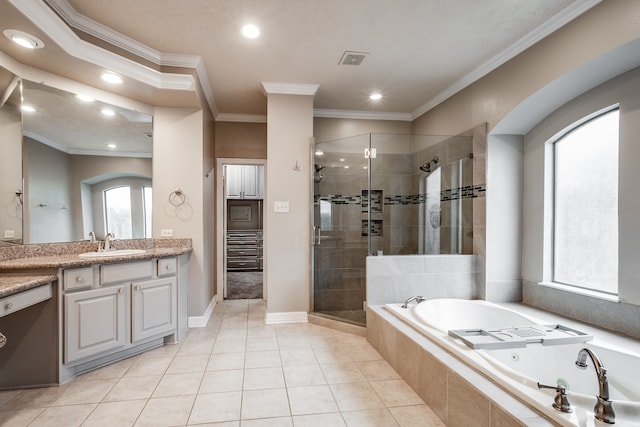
column 92, row 236
column 417, row 299
column 560, row 402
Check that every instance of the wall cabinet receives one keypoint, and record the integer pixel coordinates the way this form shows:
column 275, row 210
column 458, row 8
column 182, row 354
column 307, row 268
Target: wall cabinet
column 244, row 181
column 114, row 307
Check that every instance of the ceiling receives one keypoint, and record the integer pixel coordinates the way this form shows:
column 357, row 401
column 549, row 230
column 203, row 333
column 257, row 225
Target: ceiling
column 419, row 52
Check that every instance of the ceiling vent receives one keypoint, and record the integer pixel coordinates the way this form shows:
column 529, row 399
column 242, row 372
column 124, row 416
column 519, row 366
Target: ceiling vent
column 352, row 58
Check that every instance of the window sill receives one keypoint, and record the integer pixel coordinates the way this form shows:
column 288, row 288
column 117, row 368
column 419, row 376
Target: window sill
column 581, row 291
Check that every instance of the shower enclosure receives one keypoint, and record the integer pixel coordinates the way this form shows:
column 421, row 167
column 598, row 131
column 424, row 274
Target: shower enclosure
column 384, row 194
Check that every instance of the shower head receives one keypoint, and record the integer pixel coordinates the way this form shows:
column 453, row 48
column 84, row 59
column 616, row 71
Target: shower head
column 426, row 167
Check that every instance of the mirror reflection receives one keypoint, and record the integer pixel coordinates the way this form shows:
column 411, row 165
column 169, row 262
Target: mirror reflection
column 86, row 166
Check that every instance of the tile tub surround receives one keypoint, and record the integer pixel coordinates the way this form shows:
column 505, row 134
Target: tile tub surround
column 459, row 395
column 393, row 279
column 234, row 371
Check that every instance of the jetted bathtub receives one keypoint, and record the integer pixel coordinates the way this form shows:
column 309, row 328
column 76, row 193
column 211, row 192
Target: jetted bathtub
column 519, row 369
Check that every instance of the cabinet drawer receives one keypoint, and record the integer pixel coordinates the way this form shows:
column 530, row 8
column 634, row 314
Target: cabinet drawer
column 124, row 272
column 167, row 267
column 24, row 299
column 242, row 264
column 77, row 278
column 242, row 252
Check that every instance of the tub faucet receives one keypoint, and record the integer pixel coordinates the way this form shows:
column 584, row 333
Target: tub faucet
column 603, row 409
column 417, row 299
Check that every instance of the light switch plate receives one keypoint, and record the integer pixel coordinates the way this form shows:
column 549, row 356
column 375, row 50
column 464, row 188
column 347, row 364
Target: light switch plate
column 281, row 207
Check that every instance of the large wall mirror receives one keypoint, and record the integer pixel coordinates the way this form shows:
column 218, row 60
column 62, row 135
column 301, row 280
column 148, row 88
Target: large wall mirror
column 70, row 165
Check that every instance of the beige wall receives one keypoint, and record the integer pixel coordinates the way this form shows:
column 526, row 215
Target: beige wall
column 178, row 163
column 209, row 203
column 10, row 170
column 241, row 140
column 326, row 129
column 287, row 245
column 607, row 26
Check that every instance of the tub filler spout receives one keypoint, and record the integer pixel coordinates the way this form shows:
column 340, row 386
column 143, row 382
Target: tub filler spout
column 603, row 408
column 417, row 299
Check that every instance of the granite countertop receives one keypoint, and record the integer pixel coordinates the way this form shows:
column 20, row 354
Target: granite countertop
column 73, row 260
column 10, row 285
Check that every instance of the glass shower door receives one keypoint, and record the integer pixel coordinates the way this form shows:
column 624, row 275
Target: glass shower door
column 339, row 220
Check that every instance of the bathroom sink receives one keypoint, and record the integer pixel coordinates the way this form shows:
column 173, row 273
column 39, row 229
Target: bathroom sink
column 116, row 252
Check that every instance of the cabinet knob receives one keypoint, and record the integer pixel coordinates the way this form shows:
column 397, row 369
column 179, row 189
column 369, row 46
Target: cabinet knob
column 136, row 287
column 8, row 306
column 166, row 267
column 121, row 290
column 79, row 279
column 3, row 340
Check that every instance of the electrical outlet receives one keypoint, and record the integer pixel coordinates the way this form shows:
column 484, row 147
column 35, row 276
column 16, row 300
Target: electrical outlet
column 9, row 234
column 166, row 232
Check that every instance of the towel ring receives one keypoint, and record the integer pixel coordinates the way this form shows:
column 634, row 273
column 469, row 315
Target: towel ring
column 176, row 198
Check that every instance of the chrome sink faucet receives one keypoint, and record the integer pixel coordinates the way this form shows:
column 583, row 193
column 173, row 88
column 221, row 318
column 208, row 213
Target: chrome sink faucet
column 417, row 299
column 603, row 409
column 108, row 241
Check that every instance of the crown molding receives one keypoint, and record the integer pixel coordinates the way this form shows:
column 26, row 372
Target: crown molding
column 110, row 153
column 271, row 88
column 241, row 118
column 560, row 19
column 37, row 137
column 49, row 22
column 362, row 115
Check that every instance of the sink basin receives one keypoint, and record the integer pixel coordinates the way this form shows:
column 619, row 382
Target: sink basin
column 117, row 252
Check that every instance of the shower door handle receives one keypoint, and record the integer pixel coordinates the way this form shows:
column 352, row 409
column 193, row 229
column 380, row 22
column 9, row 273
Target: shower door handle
column 316, row 235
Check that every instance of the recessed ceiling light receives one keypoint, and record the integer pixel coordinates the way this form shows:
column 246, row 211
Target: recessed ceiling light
column 84, row 98
column 112, row 78
column 375, row 96
column 108, row 112
column 112, row 146
column 23, row 39
column 319, row 153
column 28, row 109
column 346, row 167
column 251, row 31
column 342, row 160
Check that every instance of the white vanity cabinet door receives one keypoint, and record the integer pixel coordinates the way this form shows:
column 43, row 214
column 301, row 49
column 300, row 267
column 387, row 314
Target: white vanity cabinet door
column 234, row 180
column 154, row 308
column 95, row 321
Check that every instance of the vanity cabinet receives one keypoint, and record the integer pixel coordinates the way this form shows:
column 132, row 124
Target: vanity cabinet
column 95, row 322
column 245, row 181
column 153, row 308
column 116, row 307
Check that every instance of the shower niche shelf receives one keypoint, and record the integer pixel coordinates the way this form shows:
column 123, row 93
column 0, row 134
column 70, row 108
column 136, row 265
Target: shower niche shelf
column 519, row 337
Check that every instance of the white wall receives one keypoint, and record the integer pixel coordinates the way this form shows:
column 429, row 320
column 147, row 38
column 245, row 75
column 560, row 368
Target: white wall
column 504, row 218
column 287, row 255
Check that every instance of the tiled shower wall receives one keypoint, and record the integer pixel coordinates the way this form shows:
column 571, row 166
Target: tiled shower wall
column 399, row 185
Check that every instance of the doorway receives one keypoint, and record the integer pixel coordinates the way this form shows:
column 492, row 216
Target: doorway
column 240, row 220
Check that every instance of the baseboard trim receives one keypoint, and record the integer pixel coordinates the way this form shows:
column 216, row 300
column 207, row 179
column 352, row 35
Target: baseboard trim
column 286, row 317
column 201, row 321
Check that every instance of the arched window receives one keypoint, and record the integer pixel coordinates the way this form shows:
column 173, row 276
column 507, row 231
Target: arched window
column 585, row 231
column 117, row 212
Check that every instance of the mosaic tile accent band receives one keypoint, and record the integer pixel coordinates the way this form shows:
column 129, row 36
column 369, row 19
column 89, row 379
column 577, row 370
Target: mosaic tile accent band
column 467, row 192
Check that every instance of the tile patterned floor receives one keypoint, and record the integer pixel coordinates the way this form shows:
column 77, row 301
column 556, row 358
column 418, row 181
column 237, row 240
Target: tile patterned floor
column 236, row 371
